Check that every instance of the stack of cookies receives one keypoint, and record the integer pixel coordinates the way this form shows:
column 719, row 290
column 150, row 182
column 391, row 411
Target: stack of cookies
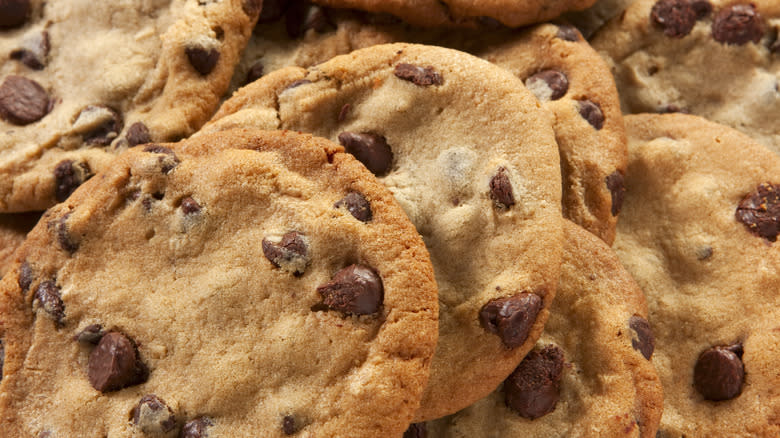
column 351, row 218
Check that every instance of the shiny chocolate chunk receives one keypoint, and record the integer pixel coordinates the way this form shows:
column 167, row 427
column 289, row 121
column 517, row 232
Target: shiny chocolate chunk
column 533, row 388
column 511, row 318
column 356, row 289
column 548, row 85
column 255, row 72
column 288, row 425
column 168, row 159
column 14, row 13
column 202, row 59
column 501, row 189
column 138, row 133
column 190, row 206
column 759, row 211
column 568, row 33
column 49, row 299
column 25, row 276
column 290, row 253
column 34, row 51
column 416, row 430
column 114, row 364
column 197, row 428
column 152, row 416
column 616, row 185
column 738, row 24
column 68, row 175
column 98, row 125
column 422, row 76
column 91, row 334
column 591, row 112
column 370, row 149
column 644, row 342
column 357, row 205
column 22, row 101
column 719, row 372
column 675, row 17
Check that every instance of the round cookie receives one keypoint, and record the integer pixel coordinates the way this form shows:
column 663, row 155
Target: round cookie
column 80, row 81
column 471, row 158
column 590, row 374
column 246, row 283
column 13, row 229
column 698, row 233
column 713, row 58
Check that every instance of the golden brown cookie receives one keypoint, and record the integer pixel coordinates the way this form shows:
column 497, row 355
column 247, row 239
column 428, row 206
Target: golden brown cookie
column 13, row 229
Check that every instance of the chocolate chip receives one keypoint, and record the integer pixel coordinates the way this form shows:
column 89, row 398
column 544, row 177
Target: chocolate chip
column 33, row 51
column 14, row 13
column 168, row 161
column 255, row 72
column 197, row 428
column 48, row 297
column 288, row 425
column 719, row 373
column 22, row 101
column 738, row 24
column 291, row 253
column 675, row 17
column 357, row 205
column 568, row 33
column 533, row 388
column 511, row 318
column 98, row 125
column 64, row 238
column 68, row 175
column 645, row 340
column 25, row 276
column 153, row 416
column 759, row 211
column 203, row 60
column 370, row 149
column 137, row 134
column 616, row 185
column 703, row 8
column 91, row 334
column 114, row 364
column 416, row 430
column 591, row 112
column 356, row 289
column 422, row 76
column 548, row 85
column 190, row 206
column 501, row 189
column 2, row 358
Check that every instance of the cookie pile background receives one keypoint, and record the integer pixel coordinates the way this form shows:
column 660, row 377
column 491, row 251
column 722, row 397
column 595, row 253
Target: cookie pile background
column 417, row 218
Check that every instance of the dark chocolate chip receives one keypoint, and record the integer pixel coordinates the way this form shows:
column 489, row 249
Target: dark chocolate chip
column 34, row 51
column 422, row 76
column 101, row 125
column 14, row 13
column 288, row 425
column 370, row 149
column 168, row 161
column 48, row 297
column 501, row 189
column 22, row 101
column 63, row 235
column 203, row 60
column 617, row 188
column 92, row 334
column 255, row 72
column 190, row 206
column 738, row 24
column 703, row 8
column 645, row 340
column 511, row 318
column 114, row 364
column 2, row 358
column 568, row 33
column 290, row 254
column 68, row 175
column 137, row 134
column 675, row 17
column 555, row 81
column 153, row 416
column 416, row 430
column 759, row 211
column 357, row 205
column 533, row 388
column 252, row 7
column 356, row 289
column 197, row 428
column 591, row 112
column 719, row 372
column 25, row 276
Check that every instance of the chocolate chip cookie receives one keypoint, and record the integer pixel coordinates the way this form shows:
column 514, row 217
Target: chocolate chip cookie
column 699, row 234
column 591, row 373
column 13, row 229
column 247, row 283
column 712, row 58
column 471, row 157
column 81, row 80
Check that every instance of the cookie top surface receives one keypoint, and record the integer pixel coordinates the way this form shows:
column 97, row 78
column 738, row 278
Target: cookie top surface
column 232, row 285
column 81, row 80
column 472, row 159
column 711, row 58
column 698, row 233
column 590, row 374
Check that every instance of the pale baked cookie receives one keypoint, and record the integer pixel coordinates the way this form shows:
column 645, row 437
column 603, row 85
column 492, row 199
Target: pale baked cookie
column 247, row 283
column 590, row 374
column 13, row 229
column 713, row 58
column 698, row 232
column 472, row 159
column 80, row 80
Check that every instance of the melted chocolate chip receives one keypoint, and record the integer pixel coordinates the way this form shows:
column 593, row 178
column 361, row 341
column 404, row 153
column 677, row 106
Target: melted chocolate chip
column 114, row 364
column 68, row 175
column 98, row 125
column 48, row 297
column 357, row 205
column 290, row 254
column 153, row 416
column 511, row 318
column 422, row 76
column 719, row 373
column 255, row 72
column 356, row 289
column 568, row 33
column 548, row 85
column 675, row 17
column 645, row 340
column 617, row 188
column 759, row 211
column 22, row 101
column 63, row 235
column 34, row 51
column 190, row 206
column 25, row 276
column 591, row 112
column 14, row 13
column 203, row 60
column 197, row 428
column 138, row 133
column 288, row 425
column 370, row 149
column 738, row 24
column 416, row 430
column 92, row 334
column 168, row 161
column 501, row 189
column 533, row 388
